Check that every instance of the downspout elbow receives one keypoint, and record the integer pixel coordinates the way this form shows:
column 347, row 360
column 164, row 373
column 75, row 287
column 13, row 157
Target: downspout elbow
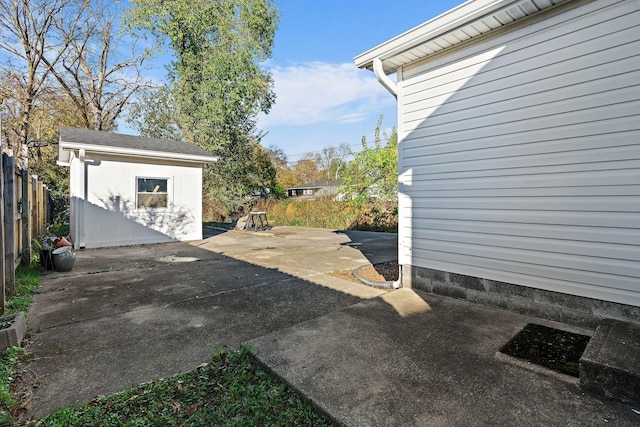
column 383, row 78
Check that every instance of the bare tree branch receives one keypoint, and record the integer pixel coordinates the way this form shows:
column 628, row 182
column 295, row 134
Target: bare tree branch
column 28, row 35
column 99, row 84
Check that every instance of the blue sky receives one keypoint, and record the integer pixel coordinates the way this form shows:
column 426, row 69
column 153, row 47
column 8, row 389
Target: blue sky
column 322, row 98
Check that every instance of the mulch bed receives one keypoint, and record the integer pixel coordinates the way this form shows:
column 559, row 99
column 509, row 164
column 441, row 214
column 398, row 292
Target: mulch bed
column 384, row 272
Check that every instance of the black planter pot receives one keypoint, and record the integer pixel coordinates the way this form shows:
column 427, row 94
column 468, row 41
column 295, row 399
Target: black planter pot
column 45, row 259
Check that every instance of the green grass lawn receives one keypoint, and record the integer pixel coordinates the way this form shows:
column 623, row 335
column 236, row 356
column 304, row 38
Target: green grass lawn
column 26, row 283
column 233, row 389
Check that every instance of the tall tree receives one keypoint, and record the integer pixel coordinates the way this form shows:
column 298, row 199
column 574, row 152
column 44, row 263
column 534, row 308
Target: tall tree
column 333, row 160
column 372, row 175
column 94, row 72
column 32, row 43
column 153, row 114
column 219, row 86
column 278, row 157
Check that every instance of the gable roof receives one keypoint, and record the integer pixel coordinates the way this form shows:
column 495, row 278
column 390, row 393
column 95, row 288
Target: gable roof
column 72, row 139
column 466, row 21
column 317, row 184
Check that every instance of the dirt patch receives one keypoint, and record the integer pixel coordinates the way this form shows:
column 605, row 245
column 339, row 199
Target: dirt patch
column 383, row 272
column 344, row 275
column 24, row 384
column 283, row 233
column 553, row 348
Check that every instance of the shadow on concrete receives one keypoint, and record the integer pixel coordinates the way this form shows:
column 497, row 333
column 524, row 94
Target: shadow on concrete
column 377, row 247
column 128, row 315
column 364, row 356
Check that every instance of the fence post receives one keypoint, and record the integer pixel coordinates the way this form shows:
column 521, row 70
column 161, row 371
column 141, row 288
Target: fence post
column 9, row 223
column 2, row 249
column 26, row 219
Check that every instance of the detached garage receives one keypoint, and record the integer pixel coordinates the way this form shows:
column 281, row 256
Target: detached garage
column 129, row 190
column 519, row 161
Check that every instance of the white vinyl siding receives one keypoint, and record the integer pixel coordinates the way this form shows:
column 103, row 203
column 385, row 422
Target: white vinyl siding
column 520, row 154
column 110, row 212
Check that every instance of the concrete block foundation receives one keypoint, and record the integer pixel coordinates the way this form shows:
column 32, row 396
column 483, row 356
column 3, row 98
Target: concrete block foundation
column 610, row 365
column 570, row 309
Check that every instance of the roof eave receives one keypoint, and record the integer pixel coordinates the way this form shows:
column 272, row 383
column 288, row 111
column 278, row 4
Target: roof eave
column 435, row 30
column 72, row 146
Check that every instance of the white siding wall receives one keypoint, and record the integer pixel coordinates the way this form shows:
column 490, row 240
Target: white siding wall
column 520, row 155
column 110, row 215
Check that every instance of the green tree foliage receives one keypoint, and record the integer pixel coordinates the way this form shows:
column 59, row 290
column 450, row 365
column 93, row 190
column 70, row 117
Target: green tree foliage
column 153, row 114
column 372, row 175
column 217, row 81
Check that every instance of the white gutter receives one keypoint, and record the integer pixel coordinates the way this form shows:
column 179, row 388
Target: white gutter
column 450, row 28
column 383, row 78
column 143, row 153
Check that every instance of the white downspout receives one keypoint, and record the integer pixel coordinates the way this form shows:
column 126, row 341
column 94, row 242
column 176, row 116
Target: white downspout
column 83, row 199
column 383, row 78
column 385, row 81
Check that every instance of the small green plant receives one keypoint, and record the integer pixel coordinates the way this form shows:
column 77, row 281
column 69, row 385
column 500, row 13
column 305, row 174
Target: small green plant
column 233, row 389
column 58, row 228
column 27, row 281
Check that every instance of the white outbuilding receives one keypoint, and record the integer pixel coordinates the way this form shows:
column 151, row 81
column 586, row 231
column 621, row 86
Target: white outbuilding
column 519, row 154
column 127, row 190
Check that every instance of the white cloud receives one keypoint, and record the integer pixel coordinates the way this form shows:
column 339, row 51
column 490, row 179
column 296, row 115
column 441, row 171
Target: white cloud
column 319, row 92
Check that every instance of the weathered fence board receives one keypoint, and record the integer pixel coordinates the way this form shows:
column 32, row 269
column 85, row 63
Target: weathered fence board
column 24, row 212
column 8, row 222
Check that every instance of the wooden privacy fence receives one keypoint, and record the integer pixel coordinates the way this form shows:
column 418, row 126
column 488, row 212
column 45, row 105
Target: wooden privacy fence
column 25, row 214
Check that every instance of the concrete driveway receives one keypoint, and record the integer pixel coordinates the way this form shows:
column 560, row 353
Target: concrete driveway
column 128, row 315
column 365, row 356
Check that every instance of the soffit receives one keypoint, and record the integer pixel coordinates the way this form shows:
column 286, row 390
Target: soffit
column 467, row 21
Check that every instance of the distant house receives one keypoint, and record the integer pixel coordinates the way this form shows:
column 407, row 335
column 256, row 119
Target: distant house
column 315, row 189
column 519, row 154
column 129, row 190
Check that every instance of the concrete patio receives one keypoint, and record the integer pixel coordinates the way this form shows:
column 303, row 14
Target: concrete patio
column 365, row 356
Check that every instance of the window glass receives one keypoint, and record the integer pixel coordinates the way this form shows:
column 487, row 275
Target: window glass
column 152, row 193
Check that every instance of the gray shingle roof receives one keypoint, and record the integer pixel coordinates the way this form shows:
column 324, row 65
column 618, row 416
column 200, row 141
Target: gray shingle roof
column 317, row 184
column 116, row 140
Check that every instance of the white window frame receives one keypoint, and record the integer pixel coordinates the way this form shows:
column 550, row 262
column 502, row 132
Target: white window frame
column 166, row 193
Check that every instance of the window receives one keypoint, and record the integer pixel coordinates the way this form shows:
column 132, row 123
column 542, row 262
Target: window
column 152, row 193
